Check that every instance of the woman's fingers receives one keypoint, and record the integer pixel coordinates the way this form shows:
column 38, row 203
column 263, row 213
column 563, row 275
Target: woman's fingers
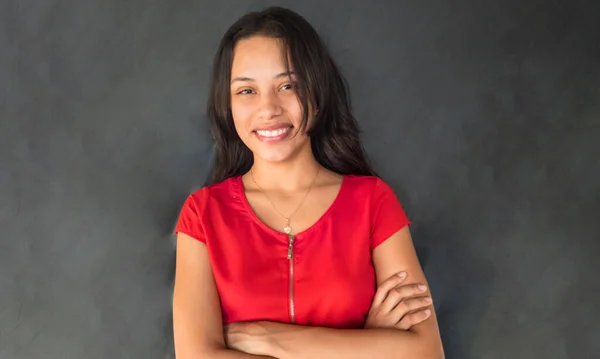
column 386, row 286
column 412, row 319
column 397, row 294
column 408, row 305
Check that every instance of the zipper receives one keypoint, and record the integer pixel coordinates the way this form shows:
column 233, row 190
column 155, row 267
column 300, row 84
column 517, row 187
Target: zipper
column 290, row 257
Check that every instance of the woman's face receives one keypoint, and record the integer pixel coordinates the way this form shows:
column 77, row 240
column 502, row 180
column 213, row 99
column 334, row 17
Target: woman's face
column 264, row 104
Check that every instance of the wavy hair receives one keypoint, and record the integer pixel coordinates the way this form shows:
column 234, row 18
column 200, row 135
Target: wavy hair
column 335, row 134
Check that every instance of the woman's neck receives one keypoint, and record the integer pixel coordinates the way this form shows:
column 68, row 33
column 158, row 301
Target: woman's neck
column 290, row 176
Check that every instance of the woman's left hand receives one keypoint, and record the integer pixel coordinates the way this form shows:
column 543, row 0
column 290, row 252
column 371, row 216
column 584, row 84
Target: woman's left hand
column 247, row 337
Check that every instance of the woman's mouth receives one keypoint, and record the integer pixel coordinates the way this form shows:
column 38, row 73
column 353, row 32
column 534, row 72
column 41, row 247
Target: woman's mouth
column 273, row 135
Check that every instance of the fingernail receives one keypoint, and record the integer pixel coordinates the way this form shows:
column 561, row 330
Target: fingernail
column 402, row 274
column 427, row 312
column 428, row 300
column 422, row 287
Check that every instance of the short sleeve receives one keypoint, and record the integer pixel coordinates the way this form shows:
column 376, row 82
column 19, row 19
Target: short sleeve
column 190, row 219
column 388, row 214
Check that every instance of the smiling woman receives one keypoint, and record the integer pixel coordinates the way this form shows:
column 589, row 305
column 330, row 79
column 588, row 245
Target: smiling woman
column 261, row 91
column 296, row 249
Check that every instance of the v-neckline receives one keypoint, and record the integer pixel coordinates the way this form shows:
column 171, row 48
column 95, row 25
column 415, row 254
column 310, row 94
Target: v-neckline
column 241, row 193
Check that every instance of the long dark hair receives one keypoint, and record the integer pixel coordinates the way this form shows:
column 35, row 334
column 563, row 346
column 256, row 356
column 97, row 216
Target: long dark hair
column 335, row 134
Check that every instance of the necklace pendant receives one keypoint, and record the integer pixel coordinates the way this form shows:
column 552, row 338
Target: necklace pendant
column 287, row 229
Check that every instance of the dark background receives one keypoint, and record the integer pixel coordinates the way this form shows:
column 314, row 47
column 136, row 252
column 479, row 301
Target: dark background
column 483, row 115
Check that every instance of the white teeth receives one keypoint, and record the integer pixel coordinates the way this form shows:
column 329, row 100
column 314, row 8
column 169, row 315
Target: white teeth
column 273, row 133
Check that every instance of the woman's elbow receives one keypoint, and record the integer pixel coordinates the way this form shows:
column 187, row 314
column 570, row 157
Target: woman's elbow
column 200, row 352
column 431, row 349
column 427, row 344
column 435, row 352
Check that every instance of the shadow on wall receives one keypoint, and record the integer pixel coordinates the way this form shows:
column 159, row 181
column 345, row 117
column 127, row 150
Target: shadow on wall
column 176, row 206
column 461, row 282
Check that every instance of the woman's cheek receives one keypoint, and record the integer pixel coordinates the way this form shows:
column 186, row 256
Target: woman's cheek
column 242, row 118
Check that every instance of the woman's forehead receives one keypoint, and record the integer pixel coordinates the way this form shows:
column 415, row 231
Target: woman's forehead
column 258, row 57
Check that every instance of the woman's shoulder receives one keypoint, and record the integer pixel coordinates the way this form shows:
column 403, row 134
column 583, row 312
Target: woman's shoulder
column 369, row 190
column 219, row 192
column 366, row 184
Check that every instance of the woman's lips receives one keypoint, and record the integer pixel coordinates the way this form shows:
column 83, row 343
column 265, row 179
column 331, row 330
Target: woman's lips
column 274, row 134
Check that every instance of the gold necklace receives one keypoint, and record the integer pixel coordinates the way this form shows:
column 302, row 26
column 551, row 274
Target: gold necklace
column 287, row 229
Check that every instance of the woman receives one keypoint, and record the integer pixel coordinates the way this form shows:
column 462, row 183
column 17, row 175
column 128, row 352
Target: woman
column 294, row 248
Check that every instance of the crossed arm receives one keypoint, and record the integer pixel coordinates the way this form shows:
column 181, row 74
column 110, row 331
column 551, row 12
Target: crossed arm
column 198, row 327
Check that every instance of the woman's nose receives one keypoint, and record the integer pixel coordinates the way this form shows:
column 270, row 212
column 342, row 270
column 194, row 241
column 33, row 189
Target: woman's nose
column 269, row 105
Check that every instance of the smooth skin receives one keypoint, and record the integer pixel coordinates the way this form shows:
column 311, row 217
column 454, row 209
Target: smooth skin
column 398, row 325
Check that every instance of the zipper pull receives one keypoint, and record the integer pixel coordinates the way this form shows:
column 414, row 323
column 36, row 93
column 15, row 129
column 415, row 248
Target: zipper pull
column 290, row 247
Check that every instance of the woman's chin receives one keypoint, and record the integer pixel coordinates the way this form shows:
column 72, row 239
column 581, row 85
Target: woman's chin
column 284, row 151
column 275, row 156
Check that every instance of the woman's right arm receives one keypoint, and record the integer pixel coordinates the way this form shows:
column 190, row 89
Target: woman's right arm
column 197, row 323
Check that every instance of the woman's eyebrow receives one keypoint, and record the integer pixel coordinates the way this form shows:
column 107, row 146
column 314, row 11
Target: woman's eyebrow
column 249, row 79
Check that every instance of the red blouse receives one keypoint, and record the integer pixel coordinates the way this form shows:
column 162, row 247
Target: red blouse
column 323, row 276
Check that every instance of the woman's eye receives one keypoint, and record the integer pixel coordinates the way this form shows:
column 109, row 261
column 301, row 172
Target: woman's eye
column 245, row 92
column 287, row 87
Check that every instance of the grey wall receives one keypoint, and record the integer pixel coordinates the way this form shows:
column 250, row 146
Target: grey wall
column 483, row 115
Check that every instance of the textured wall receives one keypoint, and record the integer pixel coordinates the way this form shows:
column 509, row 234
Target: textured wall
column 484, row 115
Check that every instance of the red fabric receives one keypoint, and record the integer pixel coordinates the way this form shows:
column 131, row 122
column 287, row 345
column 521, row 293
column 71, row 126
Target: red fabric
column 333, row 279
